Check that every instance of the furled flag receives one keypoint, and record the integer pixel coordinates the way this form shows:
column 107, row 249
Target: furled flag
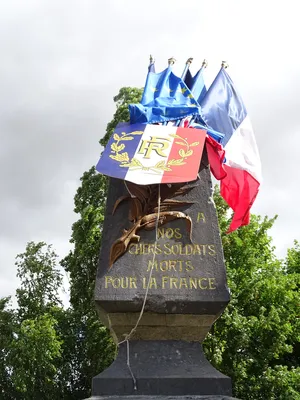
column 196, row 83
column 224, row 111
column 198, row 89
column 165, row 98
column 148, row 154
column 151, row 67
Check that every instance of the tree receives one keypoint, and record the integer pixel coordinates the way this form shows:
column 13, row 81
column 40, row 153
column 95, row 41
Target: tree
column 40, row 280
column 32, row 356
column 292, row 262
column 96, row 350
column 126, row 96
column 35, row 373
column 255, row 340
column 33, row 346
column 7, row 321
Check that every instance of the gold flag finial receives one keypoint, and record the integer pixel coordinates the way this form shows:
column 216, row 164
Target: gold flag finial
column 189, row 61
column 171, row 61
column 224, row 64
column 204, row 63
column 151, row 59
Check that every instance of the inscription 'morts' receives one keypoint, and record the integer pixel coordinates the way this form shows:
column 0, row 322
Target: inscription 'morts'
column 171, row 265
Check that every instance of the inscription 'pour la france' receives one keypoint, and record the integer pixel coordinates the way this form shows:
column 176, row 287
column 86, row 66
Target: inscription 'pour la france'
column 164, row 282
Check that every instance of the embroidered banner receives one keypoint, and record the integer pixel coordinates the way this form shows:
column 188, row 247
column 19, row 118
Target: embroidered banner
column 148, row 154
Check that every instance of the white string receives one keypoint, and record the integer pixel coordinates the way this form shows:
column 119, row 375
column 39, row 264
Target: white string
column 129, row 367
column 127, row 337
column 131, row 195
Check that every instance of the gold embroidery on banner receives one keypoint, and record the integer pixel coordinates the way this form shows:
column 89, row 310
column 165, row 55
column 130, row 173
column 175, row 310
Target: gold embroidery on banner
column 156, row 144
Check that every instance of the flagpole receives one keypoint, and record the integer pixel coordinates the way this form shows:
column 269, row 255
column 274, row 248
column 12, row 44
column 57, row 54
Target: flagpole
column 186, row 68
column 204, row 65
column 224, row 64
column 151, row 64
column 171, row 61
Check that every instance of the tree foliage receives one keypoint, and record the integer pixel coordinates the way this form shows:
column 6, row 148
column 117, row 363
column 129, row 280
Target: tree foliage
column 48, row 352
column 7, row 322
column 40, row 280
column 32, row 346
column 97, row 348
column 32, row 357
column 256, row 341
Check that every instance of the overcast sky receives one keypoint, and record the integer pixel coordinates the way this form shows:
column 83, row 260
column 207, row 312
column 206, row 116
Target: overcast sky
column 62, row 61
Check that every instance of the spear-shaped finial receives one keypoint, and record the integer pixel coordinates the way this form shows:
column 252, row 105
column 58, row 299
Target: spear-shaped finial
column 224, row 64
column 151, row 59
column 186, row 68
column 171, row 61
column 204, row 63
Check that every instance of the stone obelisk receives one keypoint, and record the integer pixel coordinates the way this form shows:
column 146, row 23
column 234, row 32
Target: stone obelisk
column 187, row 292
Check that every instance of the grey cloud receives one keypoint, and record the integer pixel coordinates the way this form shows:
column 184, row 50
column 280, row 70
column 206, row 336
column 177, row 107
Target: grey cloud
column 61, row 65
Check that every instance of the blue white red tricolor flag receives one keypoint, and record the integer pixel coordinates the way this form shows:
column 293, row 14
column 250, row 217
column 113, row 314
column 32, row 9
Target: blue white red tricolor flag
column 147, row 154
column 224, row 111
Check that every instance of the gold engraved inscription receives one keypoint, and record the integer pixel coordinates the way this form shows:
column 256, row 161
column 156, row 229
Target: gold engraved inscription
column 171, row 266
column 165, row 269
column 169, row 249
column 123, row 282
column 169, row 233
column 188, row 283
column 201, row 217
column 162, row 282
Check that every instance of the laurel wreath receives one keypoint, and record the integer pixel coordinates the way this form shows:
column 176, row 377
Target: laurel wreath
column 124, row 160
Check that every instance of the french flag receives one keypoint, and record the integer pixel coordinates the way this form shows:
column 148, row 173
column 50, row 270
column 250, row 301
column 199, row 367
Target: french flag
column 239, row 168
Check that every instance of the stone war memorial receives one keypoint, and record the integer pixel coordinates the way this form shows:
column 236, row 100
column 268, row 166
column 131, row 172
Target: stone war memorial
column 161, row 280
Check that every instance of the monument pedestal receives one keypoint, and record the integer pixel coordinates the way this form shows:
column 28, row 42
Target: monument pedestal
column 161, row 368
